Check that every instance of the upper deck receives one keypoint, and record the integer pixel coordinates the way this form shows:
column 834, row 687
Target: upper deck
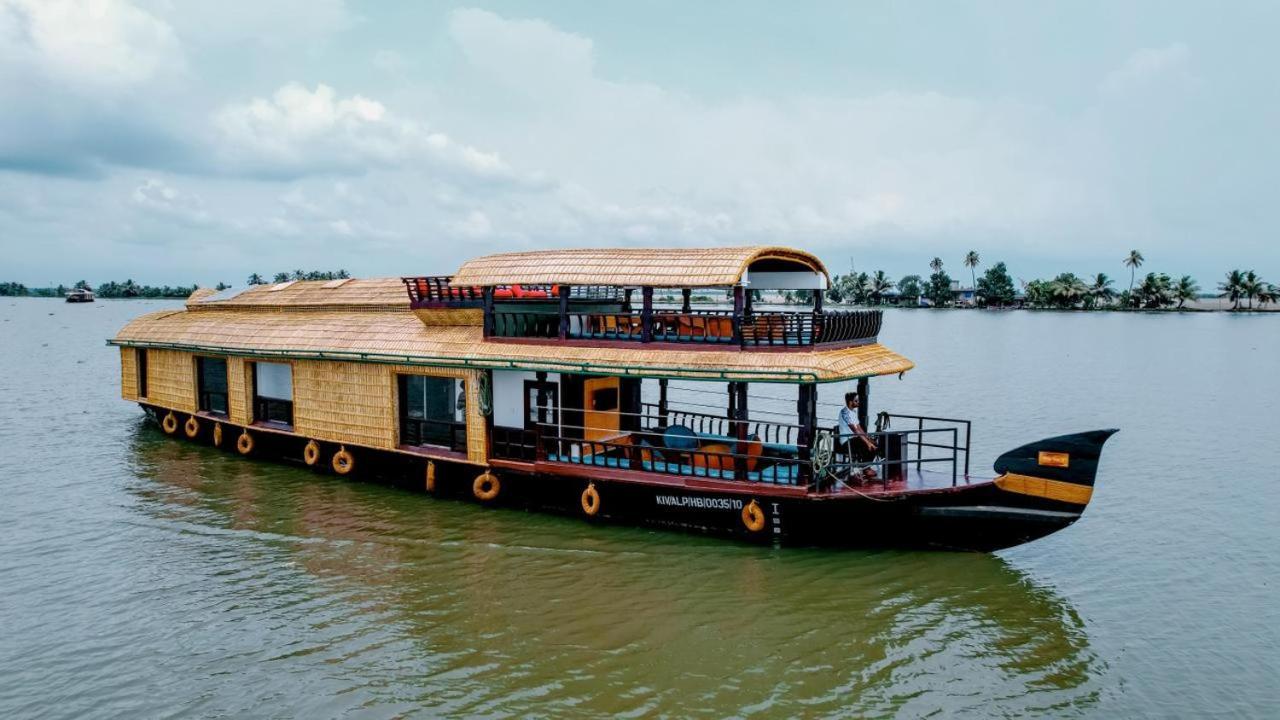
column 607, row 296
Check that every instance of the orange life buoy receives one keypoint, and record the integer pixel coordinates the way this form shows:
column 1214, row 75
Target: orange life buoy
column 431, row 477
column 191, row 427
column 753, row 517
column 244, row 443
column 343, row 461
column 311, row 453
column 217, row 434
column 486, row 487
column 169, row 424
column 591, row 500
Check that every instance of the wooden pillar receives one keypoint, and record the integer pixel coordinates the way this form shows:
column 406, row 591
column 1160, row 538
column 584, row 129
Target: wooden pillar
column 807, row 419
column 646, row 314
column 541, row 398
column 738, row 308
column 488, row 310
column 739, row 414
column 626, row 300
column 686, row 295
column 864, row 403
column 750, row 300
column 817, row 301
column 664, row 414
column 564, row 311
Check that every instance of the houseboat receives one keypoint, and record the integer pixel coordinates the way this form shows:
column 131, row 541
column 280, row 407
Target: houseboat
column 79, row 295
column 554, row 380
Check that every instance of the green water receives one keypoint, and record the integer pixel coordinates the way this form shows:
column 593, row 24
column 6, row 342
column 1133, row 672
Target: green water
column 146, row 577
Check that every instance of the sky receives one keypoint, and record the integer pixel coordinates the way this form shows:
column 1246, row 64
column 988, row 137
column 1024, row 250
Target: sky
column 193, row 142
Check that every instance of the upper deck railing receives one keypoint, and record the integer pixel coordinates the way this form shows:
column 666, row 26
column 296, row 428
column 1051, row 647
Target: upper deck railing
column 606, row 313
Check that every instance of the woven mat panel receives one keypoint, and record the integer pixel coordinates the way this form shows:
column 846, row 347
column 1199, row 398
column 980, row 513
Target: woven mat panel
column 171, row 379
column 129, row 373
column 239, row 391
column 344, row 402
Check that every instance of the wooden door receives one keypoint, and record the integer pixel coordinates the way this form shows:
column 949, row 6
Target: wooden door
column 600, row 399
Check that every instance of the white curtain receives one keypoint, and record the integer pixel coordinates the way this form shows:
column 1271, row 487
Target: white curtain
column 275, row 381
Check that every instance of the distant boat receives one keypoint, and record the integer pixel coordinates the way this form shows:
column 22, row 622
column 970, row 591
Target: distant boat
column 80, row 295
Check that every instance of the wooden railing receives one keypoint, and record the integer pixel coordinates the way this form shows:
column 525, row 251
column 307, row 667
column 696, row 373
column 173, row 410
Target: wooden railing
column 757, row 329
column 442, row 433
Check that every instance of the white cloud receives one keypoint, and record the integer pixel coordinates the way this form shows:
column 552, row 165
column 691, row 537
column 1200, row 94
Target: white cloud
column 159, row 198
column 475, row 225
column 86, row 45
column 530, row 55
column 298, row 132
column 1144, row 66
column 641, row 161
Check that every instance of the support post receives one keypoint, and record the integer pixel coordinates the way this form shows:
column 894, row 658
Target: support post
column 686, row 295
column 488, row 310
column 626, row 300
column 664, row 415
column 564, row 312
column 739, row 414
column 807, row 419
column 739, row 304
column 864, row 404
column 646, row 314
column 817, row 301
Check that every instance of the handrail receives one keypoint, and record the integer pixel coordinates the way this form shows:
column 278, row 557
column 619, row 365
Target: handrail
column 885, row 420
column 767, row 328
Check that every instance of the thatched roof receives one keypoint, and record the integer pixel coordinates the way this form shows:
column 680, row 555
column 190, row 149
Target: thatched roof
column 674, row 267
column 398, row 336
column 306, row 294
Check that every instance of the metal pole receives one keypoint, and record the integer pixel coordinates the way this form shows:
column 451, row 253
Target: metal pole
column 564, row 312
column 646, row 314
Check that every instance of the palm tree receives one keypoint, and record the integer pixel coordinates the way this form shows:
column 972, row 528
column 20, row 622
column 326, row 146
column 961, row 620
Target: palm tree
column 1268, row 294
column 1133, row 262
column 1101, row 291
column 256, row 279
column 877, row 285
column 971, row 261
column 1251, row 285
column 1187, row 289
column 1233, row 288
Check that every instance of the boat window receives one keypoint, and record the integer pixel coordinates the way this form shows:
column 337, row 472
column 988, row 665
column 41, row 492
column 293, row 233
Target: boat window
column 273, row 392
column 140, row 361
column 211, row 380
column 604, row 399
column 433, row 411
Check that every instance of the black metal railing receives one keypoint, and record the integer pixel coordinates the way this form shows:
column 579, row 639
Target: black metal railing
column 776, row 433
column 438, row 291
column 273, row 410
column 429, row 291
column 440, row 433
column 754, row 329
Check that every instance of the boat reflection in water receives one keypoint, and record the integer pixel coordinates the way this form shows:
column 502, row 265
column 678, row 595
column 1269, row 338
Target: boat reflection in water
column 361, row 595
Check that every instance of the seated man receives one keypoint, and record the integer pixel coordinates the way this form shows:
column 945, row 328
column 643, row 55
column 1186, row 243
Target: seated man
column 853, row 439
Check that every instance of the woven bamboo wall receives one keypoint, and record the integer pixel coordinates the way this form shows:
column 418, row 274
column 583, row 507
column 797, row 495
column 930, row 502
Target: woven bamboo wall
column 357, row 403
column 446, row 317
column 171, row 379
column 344, row 402
column 239, row 391
column 129, row 373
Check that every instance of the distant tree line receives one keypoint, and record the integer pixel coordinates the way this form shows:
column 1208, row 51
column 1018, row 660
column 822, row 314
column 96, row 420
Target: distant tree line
column 996, row 288
column 256, row 279
column 131, row 289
